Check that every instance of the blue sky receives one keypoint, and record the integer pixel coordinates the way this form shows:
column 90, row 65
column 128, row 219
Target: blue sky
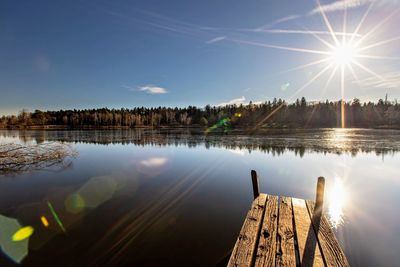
column 102, row 53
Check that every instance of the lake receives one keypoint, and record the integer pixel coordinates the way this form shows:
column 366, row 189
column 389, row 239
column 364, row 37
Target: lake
column 178, row 197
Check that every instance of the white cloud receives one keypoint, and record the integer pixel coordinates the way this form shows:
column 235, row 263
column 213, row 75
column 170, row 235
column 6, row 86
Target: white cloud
column 150, row 89
column 154, row 162
column 236, row 101
column 389, row 80
column 216, row 39
column 340, row 5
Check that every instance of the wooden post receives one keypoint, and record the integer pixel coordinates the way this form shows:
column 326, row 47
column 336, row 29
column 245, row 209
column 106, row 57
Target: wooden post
column 254, row 180
column 319, row 199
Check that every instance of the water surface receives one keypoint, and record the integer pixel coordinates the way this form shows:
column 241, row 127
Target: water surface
column 179, row 197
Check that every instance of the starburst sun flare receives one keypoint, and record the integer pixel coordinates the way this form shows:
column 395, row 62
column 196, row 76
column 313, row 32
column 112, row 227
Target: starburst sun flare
column 342, row 54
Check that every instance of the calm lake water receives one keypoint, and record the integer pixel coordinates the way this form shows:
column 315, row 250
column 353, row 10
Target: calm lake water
column 178, row 197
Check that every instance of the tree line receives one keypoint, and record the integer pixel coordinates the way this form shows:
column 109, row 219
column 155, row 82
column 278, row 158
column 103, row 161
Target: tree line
column 277, row 113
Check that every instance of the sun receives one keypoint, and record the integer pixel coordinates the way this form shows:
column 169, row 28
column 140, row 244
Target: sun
column 343, row 54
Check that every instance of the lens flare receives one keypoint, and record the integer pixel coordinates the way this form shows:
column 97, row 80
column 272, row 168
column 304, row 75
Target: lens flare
column 56, row 216
column 74, row 203
column 44, row 221
column 223, row 124
column 13, row 239
column 22, row 233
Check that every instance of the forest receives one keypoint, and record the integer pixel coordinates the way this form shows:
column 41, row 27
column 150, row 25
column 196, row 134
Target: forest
column 270, row 114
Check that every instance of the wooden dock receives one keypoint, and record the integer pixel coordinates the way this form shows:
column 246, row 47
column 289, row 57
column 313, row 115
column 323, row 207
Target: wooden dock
column 285, row 231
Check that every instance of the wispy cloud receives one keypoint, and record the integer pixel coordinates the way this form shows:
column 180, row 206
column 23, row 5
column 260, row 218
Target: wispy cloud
column 130, row 88
column 216, row 39
column 160, row 22
column 389, row 80
column 236, row 101
column 150, row 89
column 337, row 5
column 287, row 18
column 276, row 22
column 340, row 5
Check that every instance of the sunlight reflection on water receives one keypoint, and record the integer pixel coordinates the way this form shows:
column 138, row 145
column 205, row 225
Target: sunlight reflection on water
column 337, row 200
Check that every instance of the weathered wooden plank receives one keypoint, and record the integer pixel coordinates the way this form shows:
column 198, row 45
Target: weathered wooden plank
column 244, row 251
column 266, row 248
column 285, row 251
column 310, row 254
column 331, row 250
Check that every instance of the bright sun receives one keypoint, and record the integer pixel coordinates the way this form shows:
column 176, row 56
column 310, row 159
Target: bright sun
column 343, row 54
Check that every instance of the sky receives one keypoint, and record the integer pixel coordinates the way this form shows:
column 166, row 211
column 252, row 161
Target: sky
column 119, row 53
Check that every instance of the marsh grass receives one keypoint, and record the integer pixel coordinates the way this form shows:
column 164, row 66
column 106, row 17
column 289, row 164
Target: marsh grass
column 18, row 158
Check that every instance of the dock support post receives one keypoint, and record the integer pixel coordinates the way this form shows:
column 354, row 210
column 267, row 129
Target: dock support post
column 319, row 199
column 254, row 180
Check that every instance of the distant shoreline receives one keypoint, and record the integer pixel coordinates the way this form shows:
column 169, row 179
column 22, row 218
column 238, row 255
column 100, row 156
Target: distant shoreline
column 177, row 127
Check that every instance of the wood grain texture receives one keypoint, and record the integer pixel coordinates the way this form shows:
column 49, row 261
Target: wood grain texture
column 266, row 248
column 310, row 254
column 244, row 251
column 331, row 250
column 285, row 251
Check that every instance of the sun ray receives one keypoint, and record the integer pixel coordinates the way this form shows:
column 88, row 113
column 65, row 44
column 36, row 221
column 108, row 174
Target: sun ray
column 353, row 73
column 312, row 80
column 295, row 49
column 295, row 93
column 376, row 27
column 324, row 90
column 379, row 43
column 368, row 70
column 316, row 62
column 342, row 115
column 320, row 39
column 375, row 57
column 329, row 79
column 344, row 22
column 327, row 23
column 361, row 22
